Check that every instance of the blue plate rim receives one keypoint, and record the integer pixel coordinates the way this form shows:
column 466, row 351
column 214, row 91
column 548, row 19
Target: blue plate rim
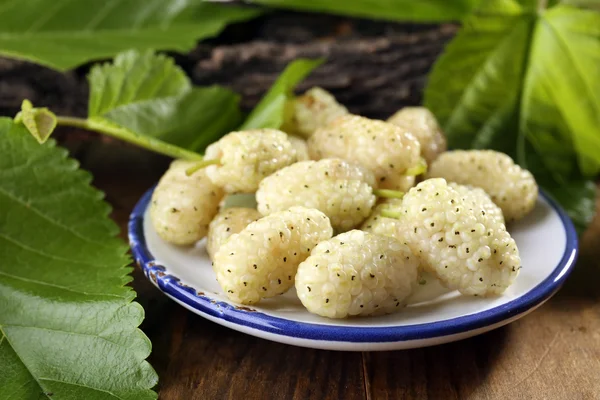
column 249, row 318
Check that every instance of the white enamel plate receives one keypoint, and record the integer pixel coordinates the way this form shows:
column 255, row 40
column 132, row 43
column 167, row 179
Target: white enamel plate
column 547, row 243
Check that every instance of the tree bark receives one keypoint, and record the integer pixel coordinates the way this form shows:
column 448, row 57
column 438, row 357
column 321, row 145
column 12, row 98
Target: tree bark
column 372, row 67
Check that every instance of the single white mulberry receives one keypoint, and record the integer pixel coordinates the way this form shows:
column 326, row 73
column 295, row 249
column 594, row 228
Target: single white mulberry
column 401, row 182
column 511, row 187
column 182, row 206
column 246, row 157
column 341, row 190
column 300, row 146
column 356, row 273
column 458, row 241
column 381, row 225
column 385, row 149
column 424, row 126
column 226, row 223
column 479, row 198
column 261, row 261
column 312, row 110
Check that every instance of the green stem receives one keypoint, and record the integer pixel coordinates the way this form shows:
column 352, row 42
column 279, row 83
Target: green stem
column 391, row 214
column 418, row 169
column 388, row 194
column 147, row 142
column 200, row 165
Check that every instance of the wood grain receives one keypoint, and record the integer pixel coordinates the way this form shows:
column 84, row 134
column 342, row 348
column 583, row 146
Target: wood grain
column 207, row 361
column 553, row 353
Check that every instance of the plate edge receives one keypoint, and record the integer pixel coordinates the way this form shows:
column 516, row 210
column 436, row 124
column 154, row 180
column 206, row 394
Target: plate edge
column 246, row 317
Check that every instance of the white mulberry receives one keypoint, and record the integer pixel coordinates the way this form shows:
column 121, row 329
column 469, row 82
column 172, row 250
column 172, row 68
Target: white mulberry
column 246, row 157
column 479, row 198
column 385, row 149
column 261, row 261
column 460, row 243
column 341, row 190
column 356, row 273
column 392, row 227
column 511, row 187
column 182, row 206
column 312, row 110
column 380, row 225
column 401, row 182
column 300, row 146
column 226, row 223
column 424, row 126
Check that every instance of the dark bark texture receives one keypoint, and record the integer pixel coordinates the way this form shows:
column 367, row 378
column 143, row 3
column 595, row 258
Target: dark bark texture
column 372, row 67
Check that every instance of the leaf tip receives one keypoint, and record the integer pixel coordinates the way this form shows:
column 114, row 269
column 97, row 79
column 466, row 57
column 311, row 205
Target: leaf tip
column 40, row 122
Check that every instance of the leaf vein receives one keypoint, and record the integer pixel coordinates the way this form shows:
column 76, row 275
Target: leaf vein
column 46, row 16
column 44, row 328
column 41, row 283
column 567, row 50
column 22, row 361
column 100, row 15
column 52, row 221
column 78, row 385
column 47, row 255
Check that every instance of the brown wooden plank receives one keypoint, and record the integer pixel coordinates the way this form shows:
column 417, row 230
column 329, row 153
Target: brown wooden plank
column 208, row 361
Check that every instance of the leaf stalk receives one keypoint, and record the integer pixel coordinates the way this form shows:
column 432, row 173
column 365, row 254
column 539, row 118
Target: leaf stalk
column 106, row 128
column 388, row 194
column 202, row 164
column 391, row 214
column 419, row 169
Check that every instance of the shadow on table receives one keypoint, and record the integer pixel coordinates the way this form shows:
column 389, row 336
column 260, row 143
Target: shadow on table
column 435, row 372
column 582, row 284
column 197, row 359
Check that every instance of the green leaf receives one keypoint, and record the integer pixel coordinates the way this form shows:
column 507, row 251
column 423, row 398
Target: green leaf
column 525, row 81
column 109, row 128
column 63, row 34
column 132, row 79
column 68, row 326
column 561, row 99
column 40, row 122
column 192, row 121
column 577, row 195
column 578, row 198
column 591, row 4
column 478, row 78
column 270, row 111
column 148, row 94
column 399, row 10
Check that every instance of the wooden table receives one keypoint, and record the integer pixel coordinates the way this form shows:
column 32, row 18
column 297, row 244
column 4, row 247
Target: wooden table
column 553, row 353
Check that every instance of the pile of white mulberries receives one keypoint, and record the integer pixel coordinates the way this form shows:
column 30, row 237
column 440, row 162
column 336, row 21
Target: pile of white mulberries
column 347, row 209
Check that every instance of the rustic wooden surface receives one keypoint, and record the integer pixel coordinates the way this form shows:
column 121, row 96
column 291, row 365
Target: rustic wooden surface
column 374, row 68
column 553, row 353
